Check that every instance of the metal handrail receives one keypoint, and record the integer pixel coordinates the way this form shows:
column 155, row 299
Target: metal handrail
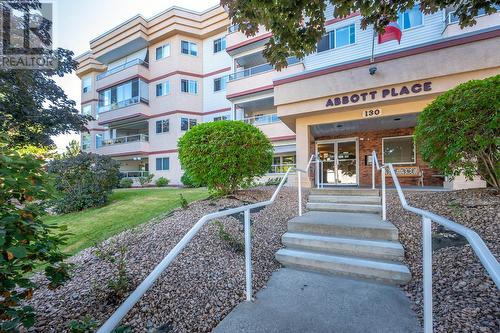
column 258, row 69
column 133, row 298
column 126, row 139
column 485, row 256
column 263, row 119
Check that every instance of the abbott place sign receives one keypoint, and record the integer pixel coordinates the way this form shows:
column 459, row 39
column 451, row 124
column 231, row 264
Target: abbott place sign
column 380, row 94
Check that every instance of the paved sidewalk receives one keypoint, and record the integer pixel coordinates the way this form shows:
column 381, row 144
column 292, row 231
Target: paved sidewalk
column 297, row 301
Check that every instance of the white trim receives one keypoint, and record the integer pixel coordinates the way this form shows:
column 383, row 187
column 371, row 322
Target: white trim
column 401, row 136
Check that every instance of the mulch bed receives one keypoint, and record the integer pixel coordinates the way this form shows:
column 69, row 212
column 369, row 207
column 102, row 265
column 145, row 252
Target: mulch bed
column 465, row 298
column 199, row 288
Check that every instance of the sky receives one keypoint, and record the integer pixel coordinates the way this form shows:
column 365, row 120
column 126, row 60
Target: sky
column 76, row 22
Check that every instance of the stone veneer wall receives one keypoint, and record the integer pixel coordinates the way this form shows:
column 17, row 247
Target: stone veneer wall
column 372, row 140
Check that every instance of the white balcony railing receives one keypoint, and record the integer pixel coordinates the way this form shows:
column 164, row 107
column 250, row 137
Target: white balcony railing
column 281, row 168
column 134, row 174
column 258, row 69
column 125, row 139
column 122, row 67
column 262, row 120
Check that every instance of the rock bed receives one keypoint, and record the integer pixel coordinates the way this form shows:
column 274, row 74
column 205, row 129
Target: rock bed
column 465, row 298
column 200, row 287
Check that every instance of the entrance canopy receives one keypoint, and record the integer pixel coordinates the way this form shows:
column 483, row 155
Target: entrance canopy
column 369, row 124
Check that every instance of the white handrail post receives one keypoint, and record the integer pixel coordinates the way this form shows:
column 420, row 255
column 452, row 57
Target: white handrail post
column 299, row 186
column 248, row 256
column 384, row 201
column 373, row 172
column 427, row 271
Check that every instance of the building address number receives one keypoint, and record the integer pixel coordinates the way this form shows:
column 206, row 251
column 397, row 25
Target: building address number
column 372, row 113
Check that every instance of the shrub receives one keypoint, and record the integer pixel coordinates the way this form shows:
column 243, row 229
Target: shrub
column 87, row 325
column 458, row 132
column 26, row 242
column 225, row 155
column 84, row 181
column 162, row 182
column 146, row 180
column 183, row 202
column 126, row 183
column 188, row 181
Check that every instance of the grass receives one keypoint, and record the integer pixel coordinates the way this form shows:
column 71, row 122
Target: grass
column 127, row 208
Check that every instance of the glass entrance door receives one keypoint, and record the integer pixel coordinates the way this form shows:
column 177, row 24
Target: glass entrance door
column 339, row 162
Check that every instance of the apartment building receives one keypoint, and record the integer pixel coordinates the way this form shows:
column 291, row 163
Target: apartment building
column 148, row 81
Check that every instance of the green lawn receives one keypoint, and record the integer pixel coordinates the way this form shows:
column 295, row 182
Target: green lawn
column 127, row 208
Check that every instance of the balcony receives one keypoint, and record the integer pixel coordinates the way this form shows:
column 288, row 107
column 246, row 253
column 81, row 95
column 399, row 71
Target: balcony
column 238, row 42
column 134, row 174
column 133, row 68
column 482, row 22
column 124, row 102
column 123, row 145
column 262, row 120
column 259, row 77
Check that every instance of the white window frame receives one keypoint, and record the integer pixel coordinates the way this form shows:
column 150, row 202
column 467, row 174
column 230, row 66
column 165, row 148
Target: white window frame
column 189, row 123
column 162, row 121
column 190, row 48
column 86, row 137
column 86, row 106
column 89, row 86
column 163, row 47
column 220, row 118
column 162, row 158
column 401, row 26
column 223, row 44
column 224, row 79
column 399, row 137
column 165, row 88
column 334, row 31
column 189, row 82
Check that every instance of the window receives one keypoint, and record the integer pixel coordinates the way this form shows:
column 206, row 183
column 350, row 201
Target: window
column 86, row 84
column 219, row 44
column 282, row 163
column 86, row 141
column 123, row 95
column 163, row 89
column 163, row 51
column 410, row 18
column 220, row 83
column 189, row 48
column 87, row 110
column 220, row 118
column 187, row 123
column 338, row 38
column 163, row 163
column 189, row 86
column 98, row 140
column 162, row 126
column 398, row 150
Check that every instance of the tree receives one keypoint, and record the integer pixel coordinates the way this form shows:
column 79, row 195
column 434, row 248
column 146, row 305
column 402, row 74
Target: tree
column 72, row 149
column 298, row 25
column 32, row 107
column 459, row 131
column 84, row 181
column 26, row 242
column 225, row 155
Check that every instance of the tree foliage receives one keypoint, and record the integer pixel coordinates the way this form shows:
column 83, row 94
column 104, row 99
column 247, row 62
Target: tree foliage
column 225, row 155
column 84, row 181
column 26, row 241
column 32, row 106
column 459, row 132
column 298, row 25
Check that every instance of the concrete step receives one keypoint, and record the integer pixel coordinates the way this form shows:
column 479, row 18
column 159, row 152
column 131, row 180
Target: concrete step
column 346, row 191
column 354, row 225
column 365, row 199
column 377, row 249
column 344, row 207
column 387, row 272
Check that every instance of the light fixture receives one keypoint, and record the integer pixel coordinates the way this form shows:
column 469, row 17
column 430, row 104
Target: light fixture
column 372, row 70
column 397, row 119
column 340, row 125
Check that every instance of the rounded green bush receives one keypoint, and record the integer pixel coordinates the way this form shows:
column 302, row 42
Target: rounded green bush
column 162, row 182
column 188, row 181
column 126, row 183
column 458, row 132
column 225, row 155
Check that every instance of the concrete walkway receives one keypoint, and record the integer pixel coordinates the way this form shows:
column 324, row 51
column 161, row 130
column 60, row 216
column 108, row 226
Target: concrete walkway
column 298, row 301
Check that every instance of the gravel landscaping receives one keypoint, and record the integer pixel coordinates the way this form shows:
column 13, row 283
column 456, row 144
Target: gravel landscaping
column 200, row 287
column 465, row 298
